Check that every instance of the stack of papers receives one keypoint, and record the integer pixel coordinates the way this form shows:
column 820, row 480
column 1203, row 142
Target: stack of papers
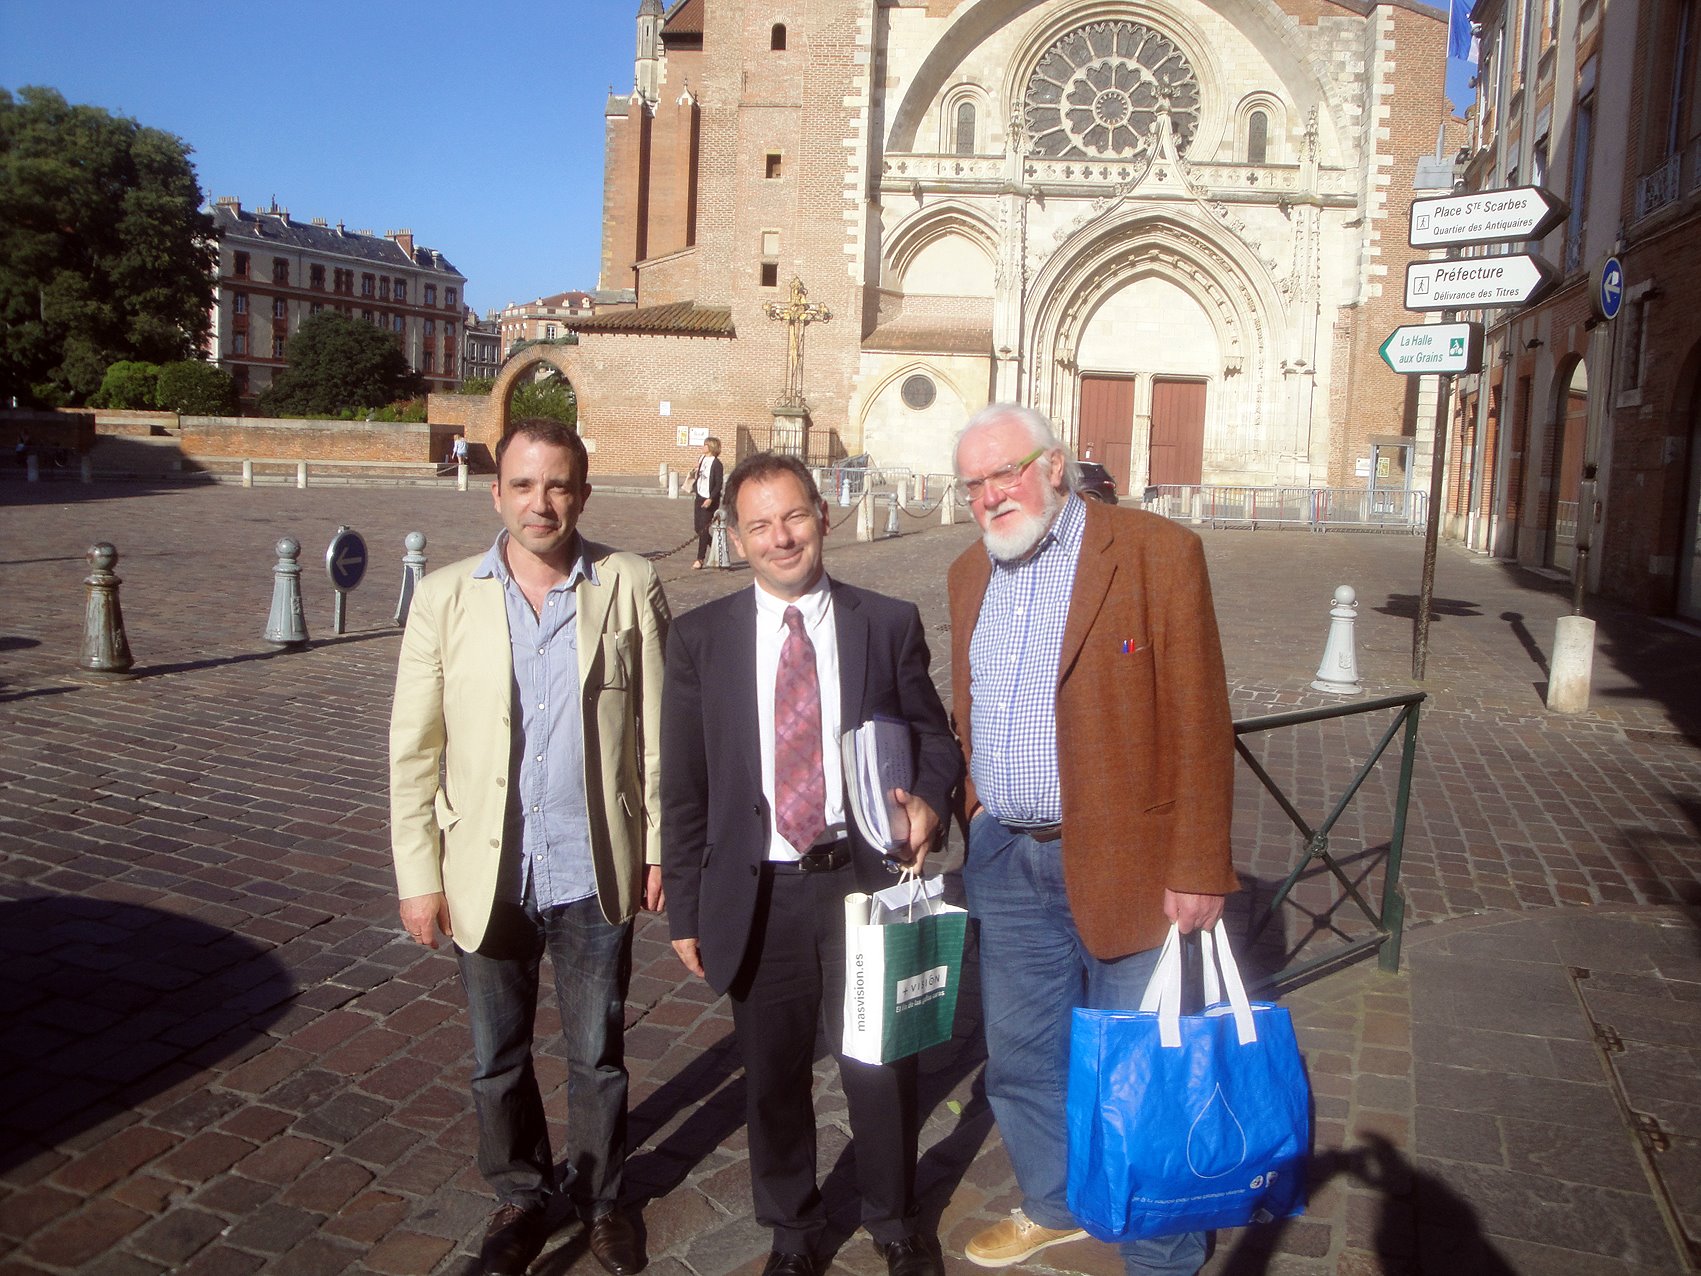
column 879, row 759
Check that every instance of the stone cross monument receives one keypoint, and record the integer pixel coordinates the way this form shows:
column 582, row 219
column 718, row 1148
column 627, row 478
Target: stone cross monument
column 797, row 313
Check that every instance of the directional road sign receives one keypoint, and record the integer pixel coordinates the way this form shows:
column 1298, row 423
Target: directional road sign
column 1466, row 284
column 1484, row 217
column 1609, row 289
column 345, row 560
column 1419, row 348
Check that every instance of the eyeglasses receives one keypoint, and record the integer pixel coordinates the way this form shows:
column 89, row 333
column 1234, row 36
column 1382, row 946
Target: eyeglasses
column 969, row 490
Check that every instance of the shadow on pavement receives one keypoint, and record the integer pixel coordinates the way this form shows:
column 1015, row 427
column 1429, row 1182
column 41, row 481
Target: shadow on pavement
column 1422, row 1225
column 107, row 1003
column 1405, row 606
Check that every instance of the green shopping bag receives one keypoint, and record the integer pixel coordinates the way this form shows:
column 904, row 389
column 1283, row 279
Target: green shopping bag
column 903, row 963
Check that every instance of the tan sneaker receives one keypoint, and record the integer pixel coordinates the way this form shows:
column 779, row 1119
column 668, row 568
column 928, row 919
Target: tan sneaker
column 1016, row 1238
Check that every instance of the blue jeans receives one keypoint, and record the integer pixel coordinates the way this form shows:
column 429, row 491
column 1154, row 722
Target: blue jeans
column 593, row 967
column 1034, row 972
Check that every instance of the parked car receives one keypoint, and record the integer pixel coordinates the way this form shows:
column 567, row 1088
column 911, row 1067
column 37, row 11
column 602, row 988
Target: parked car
column 1096, row 482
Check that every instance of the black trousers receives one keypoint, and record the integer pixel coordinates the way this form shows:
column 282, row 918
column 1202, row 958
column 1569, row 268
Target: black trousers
column 792, row 984
column 702, row 519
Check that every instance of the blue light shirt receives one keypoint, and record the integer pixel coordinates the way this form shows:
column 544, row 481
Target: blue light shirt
column 1013, row 662
column 546, row 812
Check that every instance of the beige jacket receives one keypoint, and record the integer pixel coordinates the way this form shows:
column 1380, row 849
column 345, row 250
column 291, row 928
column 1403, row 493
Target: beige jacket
column 450, row 734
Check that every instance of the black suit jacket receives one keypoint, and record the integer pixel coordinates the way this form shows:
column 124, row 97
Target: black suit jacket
column 715, row 819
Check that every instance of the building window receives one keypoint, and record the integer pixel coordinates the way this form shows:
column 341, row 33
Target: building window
column 366, row 316
column 777, row 37
column 451, row 296
column 1630, row 359
column 316, row 277
column 918, row 392
column 239, row 302
column 316, row 307
column 400, row 323
column 770, row 274
column 343, row 281
column 242, row 265
column 771, row 168
column 239, row 343
column 277, row 347
column 383, row 287
column 431, row 294
column 401, row 290
column 431, row 327
column 240, row 376
column 368, row 286
column 1257, row 137
column 280, row 270
column 280, row 308
column 448, row 331
column 431, row 361
column 965, row 139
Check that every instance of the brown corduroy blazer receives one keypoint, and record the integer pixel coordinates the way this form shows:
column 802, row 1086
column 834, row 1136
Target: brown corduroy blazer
column 1144, row 738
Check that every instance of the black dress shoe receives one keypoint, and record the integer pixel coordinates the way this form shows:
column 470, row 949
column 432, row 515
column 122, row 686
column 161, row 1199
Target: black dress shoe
column 513, row 1238
column 614, row 1243
column 913, row 1256
column 779, row 1264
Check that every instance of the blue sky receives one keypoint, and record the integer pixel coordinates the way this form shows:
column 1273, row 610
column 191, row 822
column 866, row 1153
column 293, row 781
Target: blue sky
column 479, row 130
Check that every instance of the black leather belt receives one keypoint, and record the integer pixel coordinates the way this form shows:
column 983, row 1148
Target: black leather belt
column 820, row 859
column 1039, row 832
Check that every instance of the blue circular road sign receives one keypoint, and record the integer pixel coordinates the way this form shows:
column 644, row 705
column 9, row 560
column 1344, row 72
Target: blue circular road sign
column 345, row 560
column 1609, row 289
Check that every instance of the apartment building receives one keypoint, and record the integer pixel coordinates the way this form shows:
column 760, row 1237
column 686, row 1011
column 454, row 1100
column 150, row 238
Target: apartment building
column 545, row 319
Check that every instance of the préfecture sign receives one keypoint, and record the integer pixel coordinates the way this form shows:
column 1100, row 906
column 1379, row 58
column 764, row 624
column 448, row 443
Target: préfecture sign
column 1468, row 283
column 1420, row 348
column 1484, row 217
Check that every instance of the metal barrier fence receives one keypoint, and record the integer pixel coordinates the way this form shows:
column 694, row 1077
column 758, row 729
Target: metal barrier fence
column 1315, row 508
column 1386, row 920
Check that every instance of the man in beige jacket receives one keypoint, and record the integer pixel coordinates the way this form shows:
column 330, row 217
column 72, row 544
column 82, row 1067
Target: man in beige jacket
column 524, row 802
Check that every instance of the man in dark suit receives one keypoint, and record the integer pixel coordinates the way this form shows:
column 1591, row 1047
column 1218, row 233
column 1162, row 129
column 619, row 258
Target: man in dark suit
column 758, row 855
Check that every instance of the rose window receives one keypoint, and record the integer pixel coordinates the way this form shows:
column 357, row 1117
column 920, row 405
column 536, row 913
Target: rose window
column 1098, row 91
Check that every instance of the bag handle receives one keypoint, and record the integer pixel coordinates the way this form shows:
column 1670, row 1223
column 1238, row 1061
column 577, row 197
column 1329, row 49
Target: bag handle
column 1163, row 992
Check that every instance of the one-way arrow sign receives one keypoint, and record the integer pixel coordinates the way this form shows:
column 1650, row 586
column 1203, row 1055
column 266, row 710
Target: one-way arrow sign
column 1484, row 217
column 1477, row 281
column 1419, row 348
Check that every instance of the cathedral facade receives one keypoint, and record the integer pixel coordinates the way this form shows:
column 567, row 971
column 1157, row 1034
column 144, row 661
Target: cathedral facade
column 1177, row 227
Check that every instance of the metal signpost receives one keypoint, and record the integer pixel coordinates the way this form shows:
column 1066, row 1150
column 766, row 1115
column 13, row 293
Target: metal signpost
column 345, row 564
column 1449, row 348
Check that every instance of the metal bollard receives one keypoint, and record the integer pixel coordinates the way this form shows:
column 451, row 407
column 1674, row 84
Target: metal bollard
column 286, row 627
column 461, row 476
column 32, row 468
column 844, row 489
column 413, row 571
column 901, row 494
column 106, row 649
column 892, row 512
column 301, row 474
column 672, row 486
column 1338, row 670
column 87, row 468
column 718, row 555
column 248, row 474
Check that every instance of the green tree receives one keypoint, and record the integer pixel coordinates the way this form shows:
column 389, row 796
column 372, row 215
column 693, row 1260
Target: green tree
column 128, row 384
column 197, row 388
column 338, row 365
column 476, row 385
column 552, row 397
column 105, row 254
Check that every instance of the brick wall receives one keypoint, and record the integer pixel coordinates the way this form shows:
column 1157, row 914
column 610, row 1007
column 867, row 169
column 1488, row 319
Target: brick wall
column 264, row 437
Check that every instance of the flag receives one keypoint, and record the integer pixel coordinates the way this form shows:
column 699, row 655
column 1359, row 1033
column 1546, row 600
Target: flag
column 1460, row 43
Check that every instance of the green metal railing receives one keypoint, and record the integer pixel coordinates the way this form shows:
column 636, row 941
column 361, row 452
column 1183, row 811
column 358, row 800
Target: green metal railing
column 1388, row 920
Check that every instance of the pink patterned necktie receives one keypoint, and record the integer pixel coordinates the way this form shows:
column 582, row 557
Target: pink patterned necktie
column 800, row 785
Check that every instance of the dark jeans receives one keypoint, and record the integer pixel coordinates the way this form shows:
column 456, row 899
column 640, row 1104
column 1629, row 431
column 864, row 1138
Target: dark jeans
column 593, row 966
column 702, row 521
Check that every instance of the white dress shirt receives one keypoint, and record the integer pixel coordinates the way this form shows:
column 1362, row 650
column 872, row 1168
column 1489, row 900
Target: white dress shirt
column 817, row 609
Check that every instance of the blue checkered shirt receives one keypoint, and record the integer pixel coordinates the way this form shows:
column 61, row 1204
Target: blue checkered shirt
column 546, row 817
column 1013, row 661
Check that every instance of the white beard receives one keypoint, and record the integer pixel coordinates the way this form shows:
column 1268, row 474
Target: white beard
column 1011, row 544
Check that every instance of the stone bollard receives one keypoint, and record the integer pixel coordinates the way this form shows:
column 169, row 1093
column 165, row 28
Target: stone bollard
column 672, row 486
column 301, row 474
column 718, row 555
column 892, row 503
column 948, row 505
column 1338, row 670
column 901, row 494
column 865, row 516
column 919, row 495
column 248, row 474
column 460, row 476
column 413, row 571
column 844, row 489
column 106, row 649
column 286, row 627
column 661, row 475
column 87, row 468
column 1572, row 671
column 32, row 468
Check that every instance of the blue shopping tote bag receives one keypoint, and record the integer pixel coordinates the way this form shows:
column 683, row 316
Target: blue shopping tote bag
column 1185, row 1123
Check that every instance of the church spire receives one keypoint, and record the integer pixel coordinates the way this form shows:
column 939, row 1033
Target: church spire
column 647, row 69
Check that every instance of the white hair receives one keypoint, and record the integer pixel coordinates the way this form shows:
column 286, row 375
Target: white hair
column 1038, row 429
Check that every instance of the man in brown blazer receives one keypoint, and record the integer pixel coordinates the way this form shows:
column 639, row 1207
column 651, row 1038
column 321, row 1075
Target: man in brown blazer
column 1090, row 700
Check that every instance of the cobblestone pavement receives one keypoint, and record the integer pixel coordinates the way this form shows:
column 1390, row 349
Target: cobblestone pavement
column 222, row 1056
